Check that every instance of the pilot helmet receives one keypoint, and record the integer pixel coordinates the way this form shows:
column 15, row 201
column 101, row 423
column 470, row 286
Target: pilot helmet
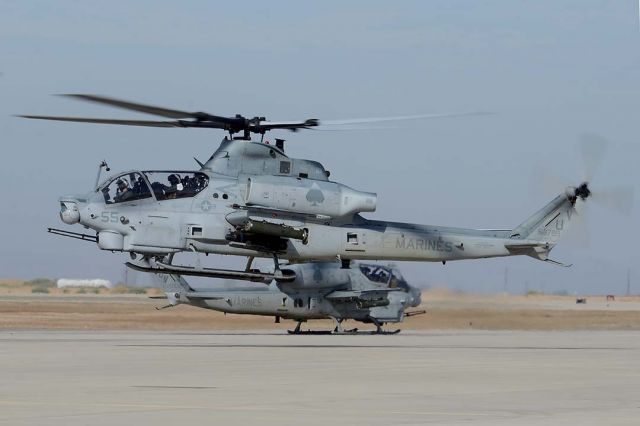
column 173, row 179
column 122, row 184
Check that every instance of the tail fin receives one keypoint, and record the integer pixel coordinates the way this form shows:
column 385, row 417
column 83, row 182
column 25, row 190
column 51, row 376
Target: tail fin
column 541, row 232
column 173, row 285
column 548, row 223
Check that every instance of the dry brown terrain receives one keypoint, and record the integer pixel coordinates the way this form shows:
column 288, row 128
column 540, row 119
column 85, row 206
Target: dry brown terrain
column 20, row 310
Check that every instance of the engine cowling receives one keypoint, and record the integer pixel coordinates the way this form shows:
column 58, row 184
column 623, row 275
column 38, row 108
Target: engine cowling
column 314, row 276
column 308, row 196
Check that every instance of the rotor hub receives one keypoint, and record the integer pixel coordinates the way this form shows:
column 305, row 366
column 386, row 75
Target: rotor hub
column 583, row 191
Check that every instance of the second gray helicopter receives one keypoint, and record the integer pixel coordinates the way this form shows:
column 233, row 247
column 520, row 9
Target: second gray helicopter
column 368, row 293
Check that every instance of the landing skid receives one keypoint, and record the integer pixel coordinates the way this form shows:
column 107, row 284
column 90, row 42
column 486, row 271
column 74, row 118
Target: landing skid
column 340, row 331
column 355, row 331
column 310, row 332
column 352, row 332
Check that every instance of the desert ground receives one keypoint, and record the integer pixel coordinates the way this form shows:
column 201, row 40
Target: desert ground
column 104, row 357
column 24, row 306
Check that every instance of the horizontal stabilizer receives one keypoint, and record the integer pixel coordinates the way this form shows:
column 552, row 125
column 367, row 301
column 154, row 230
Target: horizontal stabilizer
column 538, row 251
column 525, row 246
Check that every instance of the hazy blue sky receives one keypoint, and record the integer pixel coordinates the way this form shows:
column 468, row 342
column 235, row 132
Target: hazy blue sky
column 550, row 70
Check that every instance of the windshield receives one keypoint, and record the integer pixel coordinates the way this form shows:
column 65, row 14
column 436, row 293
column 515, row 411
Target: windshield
column 169, row 185
column 397, row 280
column 127, row 187
column 384, row 275
column 375, row 273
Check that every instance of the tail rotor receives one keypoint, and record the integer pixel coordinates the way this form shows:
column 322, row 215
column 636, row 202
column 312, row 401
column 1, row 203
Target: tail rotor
column 620, row 199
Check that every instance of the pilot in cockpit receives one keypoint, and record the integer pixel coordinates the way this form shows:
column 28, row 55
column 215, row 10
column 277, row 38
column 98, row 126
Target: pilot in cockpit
column 186, row 182
column 140, row 187
column 124, row 192
column 397, row 280
column 172, row 190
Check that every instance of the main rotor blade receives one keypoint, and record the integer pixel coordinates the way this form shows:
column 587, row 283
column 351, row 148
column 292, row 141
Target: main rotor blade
column 397, row 118
column 148, row 109
column 352, row 128
column 146, row 123
column 263, row 125
column 234, row 124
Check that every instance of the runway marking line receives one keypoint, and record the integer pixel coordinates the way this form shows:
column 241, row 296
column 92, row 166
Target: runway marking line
column 239, row 408
column 173, row 387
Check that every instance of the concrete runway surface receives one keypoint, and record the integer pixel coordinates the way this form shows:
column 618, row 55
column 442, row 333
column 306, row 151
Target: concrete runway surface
column 478, row 377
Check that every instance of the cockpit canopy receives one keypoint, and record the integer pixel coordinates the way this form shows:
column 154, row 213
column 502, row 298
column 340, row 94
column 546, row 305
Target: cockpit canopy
column 383, row 275
column 168, row 185
column 162, row 185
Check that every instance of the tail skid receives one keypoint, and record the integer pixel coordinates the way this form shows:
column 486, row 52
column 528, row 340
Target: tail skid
column 555, row 262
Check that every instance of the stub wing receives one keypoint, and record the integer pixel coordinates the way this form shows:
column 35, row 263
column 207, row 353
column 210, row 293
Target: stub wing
column 349, row 294
column 367, row 297
column 203, row 295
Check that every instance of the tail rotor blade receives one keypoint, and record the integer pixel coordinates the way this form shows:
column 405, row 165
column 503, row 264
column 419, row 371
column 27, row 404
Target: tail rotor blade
column 619, row 199
column 547, row 183
column 578, row 235
column 593, row 148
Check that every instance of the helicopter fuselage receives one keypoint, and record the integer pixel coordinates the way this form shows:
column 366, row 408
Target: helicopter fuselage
column 250, row 199
column 365, row 292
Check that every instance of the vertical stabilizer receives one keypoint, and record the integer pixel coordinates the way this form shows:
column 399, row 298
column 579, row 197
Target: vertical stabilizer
column 548, row 224
column 174, row 286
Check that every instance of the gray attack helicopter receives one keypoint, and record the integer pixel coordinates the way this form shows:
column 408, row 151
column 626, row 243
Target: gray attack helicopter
column 251, row 199
column 368, row 293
